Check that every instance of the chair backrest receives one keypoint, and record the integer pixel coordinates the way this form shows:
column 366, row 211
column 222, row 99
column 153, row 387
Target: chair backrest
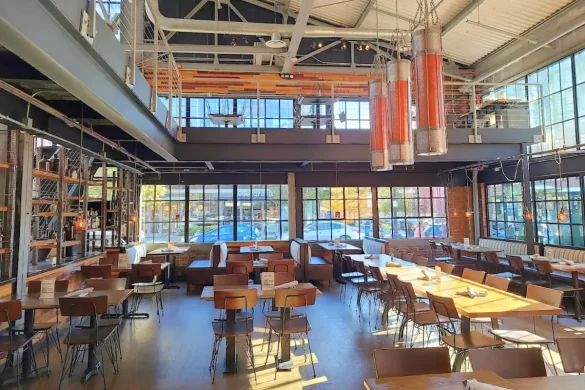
column 230, row 280
column 239, row 267
column 272, row 256
column 433, row 245
column 572, row 351
column 156, row 259
column 96, row 271
column 377, row 273
column 145, row 272
column 516, row 263
column 408, row 256
column 110, row 258
column 448, row 249
column 10, row 311
column 444, row 306
column 107, row 284
column 34, row 286
column 235, row 299
column 401, row 255
column 473, row 275
column 290, row 298
column 83, row 306
column 543, row 267
column 392, row 362
column 497, row 282
column 544, row 295
column 445, row 267
column 240, row 257
column 394, row 282
column 420, row 260
column 509, row 363
column 281, row 265
column 492, row 258
column 409, row 294
column 360, row 267
column 283, row 277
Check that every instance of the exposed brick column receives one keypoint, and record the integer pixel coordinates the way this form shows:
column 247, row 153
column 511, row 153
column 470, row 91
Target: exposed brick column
column 460, row 226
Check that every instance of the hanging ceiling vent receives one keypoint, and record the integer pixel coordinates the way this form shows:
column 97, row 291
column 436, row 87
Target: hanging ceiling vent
column 276, row 42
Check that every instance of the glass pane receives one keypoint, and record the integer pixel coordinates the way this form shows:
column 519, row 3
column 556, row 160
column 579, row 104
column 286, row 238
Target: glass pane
column 384, row 208
column 383, row 192
column 385, row 228
column 309, row 210
column 148, row 192
column 310, row 193
column 580, row 66
column 566, row 73
column 323, row 193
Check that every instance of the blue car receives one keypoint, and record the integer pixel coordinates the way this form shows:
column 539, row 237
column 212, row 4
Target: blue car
column 245, row 232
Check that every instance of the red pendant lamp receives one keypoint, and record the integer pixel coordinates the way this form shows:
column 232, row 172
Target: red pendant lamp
column 431, row 132
column 378, row 91
column 400, row 150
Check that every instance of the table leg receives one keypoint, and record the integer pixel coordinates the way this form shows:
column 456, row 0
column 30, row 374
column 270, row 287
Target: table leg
column 479, row 266
column 575, row 276
column 337, row 266
column 231, row 357
column 93, row 366
column 284, row 362
column 171, row 273
column 27, row 358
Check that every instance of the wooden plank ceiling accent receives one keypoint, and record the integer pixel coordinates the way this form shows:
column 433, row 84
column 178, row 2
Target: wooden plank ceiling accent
column 244, row 84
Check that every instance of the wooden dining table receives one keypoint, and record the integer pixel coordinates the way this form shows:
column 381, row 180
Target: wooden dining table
column 337, row 256
column 475, row 249
column 33, row 302
column 381, row 260
column 126, row 270
column 454, row 381
column 496, row 304
column 230, row 352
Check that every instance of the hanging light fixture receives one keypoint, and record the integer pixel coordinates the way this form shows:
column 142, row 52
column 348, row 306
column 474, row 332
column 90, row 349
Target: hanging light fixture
column 378, row 92
column 431, row 132
column 401, row 149
column 562, row 216
column 134, row 219
column 527, row 214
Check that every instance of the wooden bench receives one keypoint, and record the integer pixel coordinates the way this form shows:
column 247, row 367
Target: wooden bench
column 200, row 272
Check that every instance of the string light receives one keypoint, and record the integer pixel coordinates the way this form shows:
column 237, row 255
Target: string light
column 80, row 223
column 468, row 213
column 134, row 219
column 527, row 214
column 367, row 46
column 562, row 215
column 320, row 45
column 343, row 45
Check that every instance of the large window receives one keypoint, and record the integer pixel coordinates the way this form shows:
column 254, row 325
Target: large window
column 163, row 213
column 337, row 212
column 258, row 212
column 412, row 212
column 505, row 211
column 352, row 115
column 550, row 196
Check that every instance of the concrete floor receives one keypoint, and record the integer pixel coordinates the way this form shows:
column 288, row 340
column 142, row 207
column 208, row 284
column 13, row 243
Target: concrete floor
column 175, row 354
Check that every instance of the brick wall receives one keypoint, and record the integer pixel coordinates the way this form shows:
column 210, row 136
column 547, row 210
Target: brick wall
column 483, row 209
column 460, row 226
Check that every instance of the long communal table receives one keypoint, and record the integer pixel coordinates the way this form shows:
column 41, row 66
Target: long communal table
column 230, row 356
column 497, row 303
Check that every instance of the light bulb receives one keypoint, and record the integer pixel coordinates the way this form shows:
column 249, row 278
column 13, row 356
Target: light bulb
column 562, row 215
column 134, row 219
column 367, row 46
column 468, row 213
column 343, row 45
column 527, row 214
column 234, row 42
column 320, row 45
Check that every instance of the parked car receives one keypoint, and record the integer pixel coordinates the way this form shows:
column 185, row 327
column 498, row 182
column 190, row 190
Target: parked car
column 435, row 231
column 245, row 232
column 328, row 230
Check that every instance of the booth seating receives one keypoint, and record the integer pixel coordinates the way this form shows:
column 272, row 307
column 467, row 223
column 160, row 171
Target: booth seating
column 575, row 255
column 135, row 252
column 375, row 246
column 200, row 272
column 317, row 268
column 513, row 248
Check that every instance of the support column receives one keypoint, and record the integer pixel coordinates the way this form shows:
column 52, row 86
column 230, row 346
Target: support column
column 23, row 218
column 292, row 196
column 529, row 225
column 476, row 209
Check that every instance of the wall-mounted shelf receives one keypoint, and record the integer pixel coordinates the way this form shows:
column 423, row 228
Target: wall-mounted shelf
column 38, row 243
column 43, row 202
column 46, row 175
column 46, row 214
column 2, row 251
column 4, row 165
column 66, row 244
column 3, row 208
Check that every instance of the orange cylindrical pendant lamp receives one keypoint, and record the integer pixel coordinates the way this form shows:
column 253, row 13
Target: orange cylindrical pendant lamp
column 431, row 132
column 400, row 149
column 378, row 90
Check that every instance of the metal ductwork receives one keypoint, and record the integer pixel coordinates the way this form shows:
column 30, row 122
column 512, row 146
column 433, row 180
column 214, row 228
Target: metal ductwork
column 263, row 29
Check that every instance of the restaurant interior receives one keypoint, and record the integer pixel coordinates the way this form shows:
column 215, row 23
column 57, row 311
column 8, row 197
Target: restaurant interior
column 292, row 194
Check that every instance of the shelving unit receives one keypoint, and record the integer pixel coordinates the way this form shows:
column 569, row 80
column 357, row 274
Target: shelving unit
column 8, row 164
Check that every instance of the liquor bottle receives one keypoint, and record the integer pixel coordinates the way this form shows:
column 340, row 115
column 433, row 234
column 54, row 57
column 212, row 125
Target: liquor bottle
column 44, row 164
column 1, row 235
column 97, row 222
column 73, row 173
column 54, row 164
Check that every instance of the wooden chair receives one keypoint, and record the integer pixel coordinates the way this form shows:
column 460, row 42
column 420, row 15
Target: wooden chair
column 96, row 271
column 434, row 250
column 12, row 344
column 509, row 363
column 419, row 313
column 279, row 278
column 408, row 256
column 110, row 258
column 154, row 259
column 473, row 275
column 272, row 256
column 460, row 342
column 94, row 336
column 283, row 277
column 391, row 362
column 493, row 261
column 517, row 267
column 49, row 329
column 230, row 302
column 348, row 276
column 420, row 260
column 522, row 337
column 230, row 280
column 544, row 269
column 281, row 265
column 286, row 299
column 240, row 267
column 145, row 279
column 572, row 351
column 445, row 267
column 391, row 298
column 240, row 257
column 497, row 282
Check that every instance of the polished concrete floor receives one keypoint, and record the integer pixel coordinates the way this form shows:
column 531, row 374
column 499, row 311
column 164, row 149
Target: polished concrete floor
column 175, row 354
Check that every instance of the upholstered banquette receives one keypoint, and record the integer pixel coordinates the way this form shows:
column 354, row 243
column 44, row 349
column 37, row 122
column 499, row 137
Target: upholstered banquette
column 135, row 252
column 200, row 272
column 575, row 255
column 375, row 246
column 507, row 247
